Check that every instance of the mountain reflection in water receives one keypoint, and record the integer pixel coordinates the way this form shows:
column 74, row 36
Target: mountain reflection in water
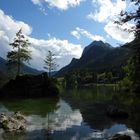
column 63, row 123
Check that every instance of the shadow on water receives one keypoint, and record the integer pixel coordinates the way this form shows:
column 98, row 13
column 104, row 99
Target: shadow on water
column 31, row 106
column 78, row 115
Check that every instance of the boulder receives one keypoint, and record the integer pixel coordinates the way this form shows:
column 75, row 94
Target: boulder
column 19, row 116
column 15, row 122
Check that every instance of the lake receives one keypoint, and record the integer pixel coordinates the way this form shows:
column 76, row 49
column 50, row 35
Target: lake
column 77, row 115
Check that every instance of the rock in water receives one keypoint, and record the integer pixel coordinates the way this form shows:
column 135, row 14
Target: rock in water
column 15, row 122
column 19, row 116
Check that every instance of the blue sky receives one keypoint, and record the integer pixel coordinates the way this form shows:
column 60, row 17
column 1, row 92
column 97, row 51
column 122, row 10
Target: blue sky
column 63, row 26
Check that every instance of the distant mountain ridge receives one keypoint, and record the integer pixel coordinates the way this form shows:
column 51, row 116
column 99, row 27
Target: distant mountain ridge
column 98, row 56
column 24, row 69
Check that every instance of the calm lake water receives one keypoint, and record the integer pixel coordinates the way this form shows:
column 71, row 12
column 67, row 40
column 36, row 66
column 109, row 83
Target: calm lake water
column 77, row 115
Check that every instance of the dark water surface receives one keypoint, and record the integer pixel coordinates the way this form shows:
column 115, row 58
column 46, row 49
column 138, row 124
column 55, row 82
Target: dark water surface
column 77, row 115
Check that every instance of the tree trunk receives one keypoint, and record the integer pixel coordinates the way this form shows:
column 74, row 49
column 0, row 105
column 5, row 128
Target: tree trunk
column 49, row 72
column 18, row 63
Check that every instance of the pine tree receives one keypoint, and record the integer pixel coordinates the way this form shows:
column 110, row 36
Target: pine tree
column 50, row 62
column 20, row 52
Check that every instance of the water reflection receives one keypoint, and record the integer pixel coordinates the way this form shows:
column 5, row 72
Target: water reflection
column 63, row 122
column 106, row 133
column 61, row 119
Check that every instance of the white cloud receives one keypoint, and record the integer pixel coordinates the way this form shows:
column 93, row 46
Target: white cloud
column 40, row 5
column 59, row 4
column 118, row 32
column 8, row 28
column 36, row 2
column 107, row 13
column 107, row 10
column 9, row 24
column 64, row 50
column 78, row 32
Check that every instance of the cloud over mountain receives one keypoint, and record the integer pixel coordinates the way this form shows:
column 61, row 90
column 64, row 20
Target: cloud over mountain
column 63, row 49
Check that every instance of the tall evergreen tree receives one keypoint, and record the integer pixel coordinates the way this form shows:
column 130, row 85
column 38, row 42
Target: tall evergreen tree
column 50, row 62
column 20, row 52
column 134, row 17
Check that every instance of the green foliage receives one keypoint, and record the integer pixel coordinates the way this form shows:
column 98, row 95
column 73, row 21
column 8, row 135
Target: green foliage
column 71, row 80
column 126, row 84
column 20, row 52
column 129, row 69
column 127, row 81
column 101, row 76
column 133, row 17
column 80, row 78
column 109, row 76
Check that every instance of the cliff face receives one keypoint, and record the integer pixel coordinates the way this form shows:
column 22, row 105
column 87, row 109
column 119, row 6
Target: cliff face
column 98, row 56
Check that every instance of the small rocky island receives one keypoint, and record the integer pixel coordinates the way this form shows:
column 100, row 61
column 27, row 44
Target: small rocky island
column 13, row 122
column 30, row 86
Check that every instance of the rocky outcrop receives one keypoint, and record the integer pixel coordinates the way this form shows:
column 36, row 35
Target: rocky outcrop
column 13, row 122
column 120, row 137
column 31, row 86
